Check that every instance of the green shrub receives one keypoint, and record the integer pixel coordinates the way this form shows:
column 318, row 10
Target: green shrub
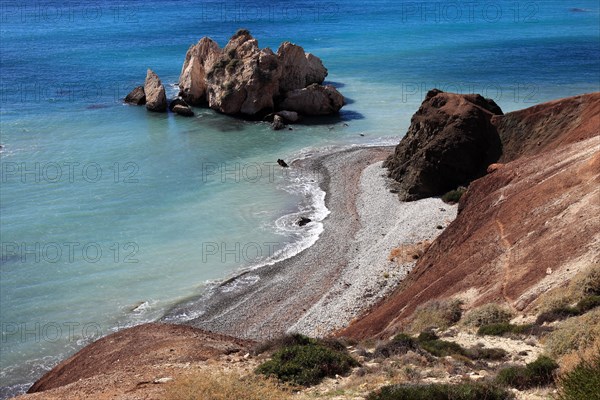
column 504, row 328
column 487, row 314
column 306, row 362
column 453, row 196
column 442, row 348
column 588, row 303
column 482, row 353
column 537, row 373
column 400, row 344
column 462, row 391
column 582, row 383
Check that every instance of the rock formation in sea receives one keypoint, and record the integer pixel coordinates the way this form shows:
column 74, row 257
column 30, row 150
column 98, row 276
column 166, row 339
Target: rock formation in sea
column 242, row 79
column 156, row 99
column 522, row 229
column 450, row 142
column 136, row 96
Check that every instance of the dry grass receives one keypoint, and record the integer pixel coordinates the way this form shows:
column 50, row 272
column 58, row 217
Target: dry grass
column 487, row 314
column 577, row 334
column 409, row 252
column 225, row 386
column 584, row 283
column 440, row 314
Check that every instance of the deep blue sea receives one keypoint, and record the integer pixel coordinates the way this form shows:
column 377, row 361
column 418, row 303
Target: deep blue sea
column 110, row 214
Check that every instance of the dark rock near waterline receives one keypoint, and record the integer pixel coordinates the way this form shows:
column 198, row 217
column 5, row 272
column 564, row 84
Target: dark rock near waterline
column 303, row 221
column 278, row 123
column 450, row 142
column 156, row 98
column 136, row 96
column 313, row 100
column 282, row 163
column 180, row 107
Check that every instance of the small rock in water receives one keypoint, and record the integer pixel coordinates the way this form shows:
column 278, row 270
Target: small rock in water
column 303, row 221
column 278, row 123
column 282, row 163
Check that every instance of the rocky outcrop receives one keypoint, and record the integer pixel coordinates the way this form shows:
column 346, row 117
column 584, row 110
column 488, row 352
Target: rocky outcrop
column 180, row 107
column 134, row 355
column 242, row 79
column 136, row 96
column 450, row 142
column 156, row 99
column 530, row 215
column 299, row 69
column 314, row 100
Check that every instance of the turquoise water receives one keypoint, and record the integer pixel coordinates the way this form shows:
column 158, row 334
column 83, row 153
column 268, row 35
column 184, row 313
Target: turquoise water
column 110, row 215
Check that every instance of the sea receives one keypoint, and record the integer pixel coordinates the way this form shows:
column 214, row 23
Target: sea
column 111, row 215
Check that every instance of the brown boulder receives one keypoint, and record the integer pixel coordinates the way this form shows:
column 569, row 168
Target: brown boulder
column 449, row 143
column 299, row 69
column 156, row 98
column 200, row 59
column 136, row 96
column 314, row 100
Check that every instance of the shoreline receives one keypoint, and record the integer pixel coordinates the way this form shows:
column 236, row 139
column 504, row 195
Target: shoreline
column 296, row 293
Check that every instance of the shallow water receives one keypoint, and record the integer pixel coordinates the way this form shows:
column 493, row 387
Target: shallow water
column 110, row 215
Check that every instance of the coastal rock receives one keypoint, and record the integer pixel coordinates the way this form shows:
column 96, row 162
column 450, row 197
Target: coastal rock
column 515, row 224
column 156, row 98
column 450, row 142
column 314, row 100
column 289, row 116
column 136, row 96
column 278, row 123
column 180, row 107
column 303, row 221
column 299, row 69
column 282, row 163
column 242, row 79
column 199, row 59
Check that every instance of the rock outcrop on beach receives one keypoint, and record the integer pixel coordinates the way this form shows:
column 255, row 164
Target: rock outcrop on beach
column 528, row 226
column 242, row 79
column 130, row 360
column 450, row 142
column 156, row 99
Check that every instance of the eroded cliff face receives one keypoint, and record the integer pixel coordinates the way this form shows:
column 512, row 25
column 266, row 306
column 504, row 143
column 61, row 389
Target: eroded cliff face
column 243, row 79
column 526, row 227
column 450, row 142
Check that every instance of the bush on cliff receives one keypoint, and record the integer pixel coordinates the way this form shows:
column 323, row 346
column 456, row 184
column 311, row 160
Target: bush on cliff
column 487, row 314
column 436, row 314
column 307, row 362
column 436, row 391
column 583, row 382
column 537, row 373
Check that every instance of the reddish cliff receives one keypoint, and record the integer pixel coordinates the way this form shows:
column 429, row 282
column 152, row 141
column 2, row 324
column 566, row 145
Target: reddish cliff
column 526, row 227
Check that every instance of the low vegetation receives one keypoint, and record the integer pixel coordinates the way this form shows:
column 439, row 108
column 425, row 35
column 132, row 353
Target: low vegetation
column 305, row 362
column 565, row 311
column 225, row 386
column 454, row 196
column 462, row 391
column 487, row 314
column 538, row 373
column 436, row 314
column 583, row 382
column 503, row 328
column 574, row 334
